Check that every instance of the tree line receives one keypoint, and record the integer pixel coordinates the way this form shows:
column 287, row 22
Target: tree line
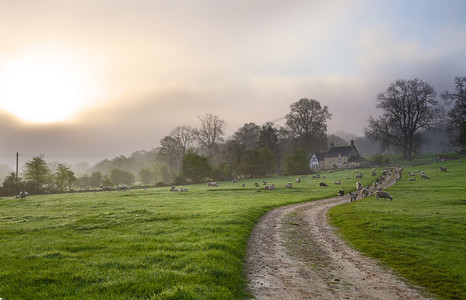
column 192, row 155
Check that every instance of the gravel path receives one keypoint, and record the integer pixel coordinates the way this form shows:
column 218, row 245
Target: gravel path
column 293, row 253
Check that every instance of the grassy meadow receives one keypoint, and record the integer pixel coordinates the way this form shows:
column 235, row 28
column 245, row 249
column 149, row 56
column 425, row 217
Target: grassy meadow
column 421, row 234
column 141, row 244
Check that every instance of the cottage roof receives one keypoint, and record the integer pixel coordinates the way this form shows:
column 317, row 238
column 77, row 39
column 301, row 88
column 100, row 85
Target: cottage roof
column 335, row 151
column 320, row 156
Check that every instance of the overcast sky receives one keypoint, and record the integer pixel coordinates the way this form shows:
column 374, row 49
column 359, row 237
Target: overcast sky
column 141, row 68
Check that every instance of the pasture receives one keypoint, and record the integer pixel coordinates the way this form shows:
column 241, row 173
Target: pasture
column 142, row 244
column 421, row 234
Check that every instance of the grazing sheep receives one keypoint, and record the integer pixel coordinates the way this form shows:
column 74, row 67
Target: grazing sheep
column 353, row 197
column 173, row 189
column 359, row 175
column 122, row 188
column 443, row 169
column 373, row 174
column 341, row 193
column 383, row 194
column 424, row 176
column 234, row 180
column 212, row 183
column 243, row 185
column 364, row 192
column 411, row 174
column 183, row 190
column 412, row 179
column 289, row 185
column 323, row 184
column 375, row 184
column 316, row 176
column 264, row 182
column 105, row 188
column 298, row 180
column 256, row 184
column 359, row 186
column 269, row 187
column 17, row 196
column 23, row 194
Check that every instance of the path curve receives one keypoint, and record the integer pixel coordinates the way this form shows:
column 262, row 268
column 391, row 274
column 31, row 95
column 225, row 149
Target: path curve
column 293, row 253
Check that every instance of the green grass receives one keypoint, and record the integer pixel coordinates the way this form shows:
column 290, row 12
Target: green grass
column 140, row 244
column 421, row 234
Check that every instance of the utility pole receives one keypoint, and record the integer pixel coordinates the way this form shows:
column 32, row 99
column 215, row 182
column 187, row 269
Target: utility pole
column 17, row 158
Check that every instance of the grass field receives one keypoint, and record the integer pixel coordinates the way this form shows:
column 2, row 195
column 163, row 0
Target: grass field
column 140, row 244
column 421, row 234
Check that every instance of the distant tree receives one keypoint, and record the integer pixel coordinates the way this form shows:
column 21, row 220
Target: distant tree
column 457, row 115
column 248, row 135
column 121, row 177
column 307, row 121
column 297, row 163
column 222, row 172
column 269, row 139
column 408, row 106
column 147, row 175
column 170, row 149
column 37, row 172
column 184, row 137
column 254, row 164
column 336, row 141
column 195, row 168
column 64, row 177
column 95, row 179
column 232, row 153
column 210, row 133
column 106, row 181
column 12, row 185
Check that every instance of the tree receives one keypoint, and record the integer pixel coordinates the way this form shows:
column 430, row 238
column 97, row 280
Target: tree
column 12, row 185
column 64, row 177
column 37, row 171
column 248, row 135
column 121, row 177
column 147, row 175
column 307, row 121
column 457, row 115
column 195, row 168
column 175, row 145
column 210, row 134
column 408, row 106
column 297, row 163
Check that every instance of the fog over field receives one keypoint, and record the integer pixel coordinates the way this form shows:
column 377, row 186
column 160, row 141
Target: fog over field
column 89, row 80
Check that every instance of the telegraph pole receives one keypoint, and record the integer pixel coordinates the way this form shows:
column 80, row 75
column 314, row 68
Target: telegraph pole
column 17, row 159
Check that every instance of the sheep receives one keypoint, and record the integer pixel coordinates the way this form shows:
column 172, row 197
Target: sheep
column 212, row 183
column 298, row 180
column 364, row 192
column 383, row 194
column 412, row 179
column 173, row 189
column 353, row 197
column 443, row 169
column 269, row 187
column 122, row 188
column 289, row 185
column 337, row 182
column 316, row 176
column 234, row 180
column 264, row 182
column 411, row 174
column 424, row 176
column 23, row 194
column 341, row 193
column 183, row 190
column 375, row 184
column 105, row 188
column 359, row 185
column 323, row 184
column 373, row 174
column 358, row 176
column 256, row 184
column 243, row 185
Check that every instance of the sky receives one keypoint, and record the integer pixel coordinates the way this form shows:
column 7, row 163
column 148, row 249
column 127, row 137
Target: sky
column 87, row 80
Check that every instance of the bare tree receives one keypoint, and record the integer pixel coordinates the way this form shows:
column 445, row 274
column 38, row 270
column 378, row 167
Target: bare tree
column 210, row 133
column 408, row 106
column 184, row 137
column 457, row 114
column 308, row 122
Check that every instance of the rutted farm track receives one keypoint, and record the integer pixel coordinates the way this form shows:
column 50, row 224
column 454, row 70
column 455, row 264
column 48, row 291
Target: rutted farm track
column 293, row 253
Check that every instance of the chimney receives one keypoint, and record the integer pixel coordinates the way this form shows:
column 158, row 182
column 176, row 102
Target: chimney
column 331, row 145
column 352, row 143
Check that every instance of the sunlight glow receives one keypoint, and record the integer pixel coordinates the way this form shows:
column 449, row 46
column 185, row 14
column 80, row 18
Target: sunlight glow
column 45, row 88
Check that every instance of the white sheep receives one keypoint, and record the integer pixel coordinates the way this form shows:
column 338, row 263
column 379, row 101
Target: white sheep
column 359, row 175
column 269, row 187
column 353, row 197
column 364, row 192
column 298, row 180
column 289, row 185
column 424, row 176
column 359, row 186
column 173, row 189
column 384, row 195
column 212, row 183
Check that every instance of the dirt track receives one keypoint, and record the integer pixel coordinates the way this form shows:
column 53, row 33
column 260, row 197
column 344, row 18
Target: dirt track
column 293, row 253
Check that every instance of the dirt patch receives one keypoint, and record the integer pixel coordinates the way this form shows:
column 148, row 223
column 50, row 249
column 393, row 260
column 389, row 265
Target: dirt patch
column 293, row 253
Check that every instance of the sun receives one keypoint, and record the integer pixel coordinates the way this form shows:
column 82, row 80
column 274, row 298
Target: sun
column 44, row 88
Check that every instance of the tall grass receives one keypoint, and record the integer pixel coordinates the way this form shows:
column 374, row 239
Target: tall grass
column 421, row 234
column 140, row 244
